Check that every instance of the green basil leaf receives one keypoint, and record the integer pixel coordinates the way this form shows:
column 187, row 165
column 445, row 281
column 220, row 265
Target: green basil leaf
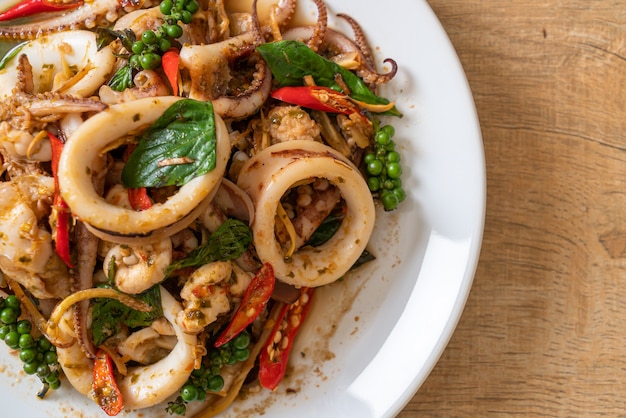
column 105, row 36
column 365, row 257
column 110, row 315
column 122, row 79
column 179, row 146
column 290, row 61
column 228, row 242
column 325, row 230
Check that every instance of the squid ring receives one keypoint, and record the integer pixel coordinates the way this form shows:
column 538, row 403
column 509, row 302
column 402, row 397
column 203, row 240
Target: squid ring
column 120, row 224
column 270, row 173
column 57, row 52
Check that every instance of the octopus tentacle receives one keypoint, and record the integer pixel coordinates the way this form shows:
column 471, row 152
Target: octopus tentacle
column 335, row 43
column 88, row 15
column 317, row 39
column 359, row 39
column 209, row 71
column 83, row 279
column 284, row 11
column 368, row 72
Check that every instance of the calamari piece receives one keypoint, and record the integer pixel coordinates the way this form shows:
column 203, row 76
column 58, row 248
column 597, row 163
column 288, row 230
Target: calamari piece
column 89, row 15
column 208, row 292
column 208, row 67
column 139, row 267
column 69, row 62
column 204, row 297
column 273, row 171
column 119, row 224
column 146, row 346
column 26, row 251
column 143, row 386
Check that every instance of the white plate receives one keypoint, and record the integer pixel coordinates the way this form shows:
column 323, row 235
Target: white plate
column 372, row 339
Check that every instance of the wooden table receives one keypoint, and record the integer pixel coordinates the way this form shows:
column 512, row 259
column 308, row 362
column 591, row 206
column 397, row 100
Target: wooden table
column 544, row 329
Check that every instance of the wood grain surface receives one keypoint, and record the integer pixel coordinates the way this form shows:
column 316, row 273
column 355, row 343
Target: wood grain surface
column 544, row 329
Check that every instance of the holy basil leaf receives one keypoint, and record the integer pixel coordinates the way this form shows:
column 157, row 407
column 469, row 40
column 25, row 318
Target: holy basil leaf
column 179, row 146
column 110, row 315
column 325, row 230
column 104, row 36
column 122, row 79
column 290, row 61
column 228, row 242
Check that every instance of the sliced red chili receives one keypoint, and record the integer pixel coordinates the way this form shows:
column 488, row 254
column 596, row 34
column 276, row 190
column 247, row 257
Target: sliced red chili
column 169, row 62
column 33, row 7
column 254, row 301
column 275, row 355
column 316, row 97
column 62, row 233
column 105, row 390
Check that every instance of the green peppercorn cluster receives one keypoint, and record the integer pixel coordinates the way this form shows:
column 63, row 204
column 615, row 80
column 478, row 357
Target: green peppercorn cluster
column 147, row 51
column 38, row 355
column 383, row 169
column 207, row 378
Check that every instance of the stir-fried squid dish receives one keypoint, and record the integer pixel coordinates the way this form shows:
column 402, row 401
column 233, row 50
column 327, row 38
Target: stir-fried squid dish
column 177, row 180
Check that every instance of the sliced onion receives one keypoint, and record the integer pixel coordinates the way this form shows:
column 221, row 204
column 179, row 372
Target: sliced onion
column 276, row 169
column 121, row 224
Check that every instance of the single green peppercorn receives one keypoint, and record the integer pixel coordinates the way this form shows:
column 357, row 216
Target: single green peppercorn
column 166, row 7
column 389, row 200
column 149, row 37
column 242, row 340
column 12, row 339
column 12, row 301
column 44, row 344
column 189, row 392
column 30, row 368
column 394, row 170
column 216, row 383
column 24, row 326
column 52, row 377
column 43, row 370
column 26, row 341
column 28, row 355
column 55, row 385
column 4, row 330
column 9, row 315
column 373, row 183
column 50, row 358
column 389, row 130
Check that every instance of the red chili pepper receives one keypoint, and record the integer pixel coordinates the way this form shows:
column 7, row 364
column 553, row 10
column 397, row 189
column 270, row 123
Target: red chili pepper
column 254, row 300
column 139, row 199
column 275, row 355
column 62, row 236
column 105, row 390
column 169, row 62
column 32, row 7
column 318, row 98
